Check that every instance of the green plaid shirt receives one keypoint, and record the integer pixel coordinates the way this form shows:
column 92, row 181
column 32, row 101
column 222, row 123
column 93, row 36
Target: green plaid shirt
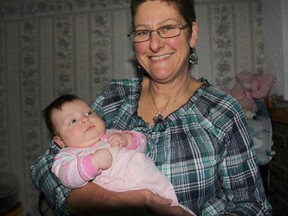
column 204, row 148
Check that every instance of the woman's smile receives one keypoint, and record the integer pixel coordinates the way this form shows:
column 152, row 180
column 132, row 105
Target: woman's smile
column 158, row 58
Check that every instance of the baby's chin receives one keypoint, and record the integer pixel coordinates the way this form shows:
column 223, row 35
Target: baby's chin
column 91, row 142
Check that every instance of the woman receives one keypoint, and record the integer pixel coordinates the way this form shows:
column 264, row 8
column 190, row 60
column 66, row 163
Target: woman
column 197, row 134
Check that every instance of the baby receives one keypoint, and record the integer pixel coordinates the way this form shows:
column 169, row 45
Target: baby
column 114, row 159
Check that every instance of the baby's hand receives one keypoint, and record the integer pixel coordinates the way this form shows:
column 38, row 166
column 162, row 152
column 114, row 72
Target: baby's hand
column 102, row 159
column 118, row 140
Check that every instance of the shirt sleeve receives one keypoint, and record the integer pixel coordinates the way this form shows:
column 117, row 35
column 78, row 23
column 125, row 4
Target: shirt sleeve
column 74, row 169
column 47, row 183
column 239, row 173
column 139, row 141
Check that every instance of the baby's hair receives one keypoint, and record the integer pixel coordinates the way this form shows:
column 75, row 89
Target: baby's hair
column 57, row 104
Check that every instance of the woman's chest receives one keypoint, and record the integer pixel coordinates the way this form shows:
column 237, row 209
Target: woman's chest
column 184, row 149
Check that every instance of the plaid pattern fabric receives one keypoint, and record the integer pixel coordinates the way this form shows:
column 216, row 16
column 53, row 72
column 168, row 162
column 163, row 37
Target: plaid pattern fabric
column 204, row 148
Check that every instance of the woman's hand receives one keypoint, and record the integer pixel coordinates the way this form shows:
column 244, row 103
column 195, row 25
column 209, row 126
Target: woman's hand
column 169, row 211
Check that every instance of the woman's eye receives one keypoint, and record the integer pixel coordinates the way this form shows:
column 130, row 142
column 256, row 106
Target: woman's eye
column 141, row 33
column 167, row 28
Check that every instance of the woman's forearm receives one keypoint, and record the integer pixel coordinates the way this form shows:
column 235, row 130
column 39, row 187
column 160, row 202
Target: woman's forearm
column 87, row 198
column 93, row 199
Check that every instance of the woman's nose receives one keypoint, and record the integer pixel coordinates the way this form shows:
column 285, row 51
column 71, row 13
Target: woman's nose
column 156, row 42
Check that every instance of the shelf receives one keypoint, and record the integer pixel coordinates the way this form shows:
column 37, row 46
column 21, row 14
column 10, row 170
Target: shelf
column 279, row 115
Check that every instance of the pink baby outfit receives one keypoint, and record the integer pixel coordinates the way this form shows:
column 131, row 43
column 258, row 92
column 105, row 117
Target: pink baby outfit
column 131, row 169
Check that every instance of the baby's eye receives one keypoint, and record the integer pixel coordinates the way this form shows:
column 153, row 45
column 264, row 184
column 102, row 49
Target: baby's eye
column 72, row 121
column 89, row 113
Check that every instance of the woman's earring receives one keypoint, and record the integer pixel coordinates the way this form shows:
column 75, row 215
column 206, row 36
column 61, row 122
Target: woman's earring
column 140, row 70
column 193, row 59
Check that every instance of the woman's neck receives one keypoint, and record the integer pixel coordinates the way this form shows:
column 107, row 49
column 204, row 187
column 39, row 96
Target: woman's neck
column 157, row 100
column 170, row 94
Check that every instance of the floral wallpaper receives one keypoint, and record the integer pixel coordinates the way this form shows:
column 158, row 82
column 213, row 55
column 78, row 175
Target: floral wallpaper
column 223, row 45
column 77, row 46
column 237, row 40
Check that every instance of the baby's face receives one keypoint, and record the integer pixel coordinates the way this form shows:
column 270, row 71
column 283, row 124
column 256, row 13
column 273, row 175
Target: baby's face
column 77, row 125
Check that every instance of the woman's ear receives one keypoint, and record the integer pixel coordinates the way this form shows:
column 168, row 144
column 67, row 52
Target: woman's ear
column 194, row 36
column 59, row 141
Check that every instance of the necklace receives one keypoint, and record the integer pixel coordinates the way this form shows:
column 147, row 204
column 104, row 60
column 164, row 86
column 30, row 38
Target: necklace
column 158, row 117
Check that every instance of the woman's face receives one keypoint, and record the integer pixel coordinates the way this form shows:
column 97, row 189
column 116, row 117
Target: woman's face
column 163, row 58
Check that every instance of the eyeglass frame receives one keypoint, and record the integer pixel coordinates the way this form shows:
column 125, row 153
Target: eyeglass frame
column 180, row 27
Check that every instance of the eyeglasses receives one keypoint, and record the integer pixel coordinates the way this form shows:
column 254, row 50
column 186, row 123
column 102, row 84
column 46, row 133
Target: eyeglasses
column 167, row 31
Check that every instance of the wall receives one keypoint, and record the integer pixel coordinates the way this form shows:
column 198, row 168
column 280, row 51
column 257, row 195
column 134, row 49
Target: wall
column 59, row 46
column 275, row 27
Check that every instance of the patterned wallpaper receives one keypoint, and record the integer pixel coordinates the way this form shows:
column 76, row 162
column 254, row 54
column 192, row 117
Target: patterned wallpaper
column 276, row 46
column 61, row 46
